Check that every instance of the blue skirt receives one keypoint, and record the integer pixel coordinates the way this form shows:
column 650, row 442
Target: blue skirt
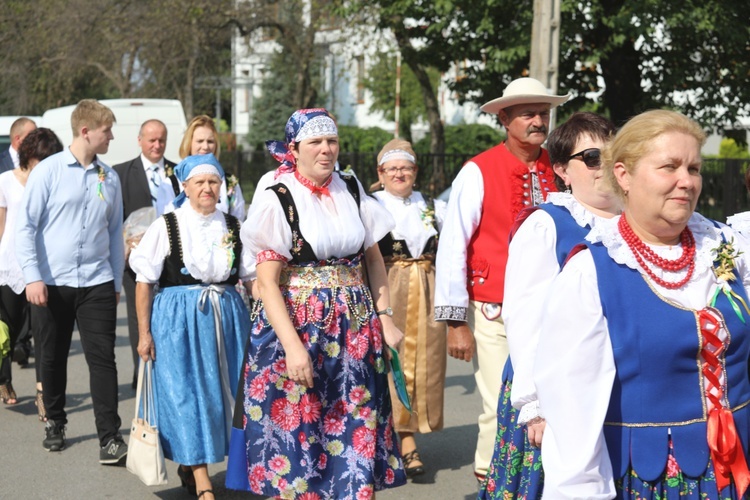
column 192, row 411
column 335, row 440
column 515, row 470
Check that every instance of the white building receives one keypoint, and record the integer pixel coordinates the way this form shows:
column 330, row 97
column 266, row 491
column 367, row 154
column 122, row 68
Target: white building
column 346, row 59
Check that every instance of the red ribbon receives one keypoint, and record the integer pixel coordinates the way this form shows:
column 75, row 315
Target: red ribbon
column 726, row 451
column 317, row 190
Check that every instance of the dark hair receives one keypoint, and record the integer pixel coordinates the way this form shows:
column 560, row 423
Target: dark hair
column 38, row 145
column 563, row 139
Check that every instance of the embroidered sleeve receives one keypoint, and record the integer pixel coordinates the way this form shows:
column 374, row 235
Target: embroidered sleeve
column 447, row 313
column 528, row 412
column 269, row 255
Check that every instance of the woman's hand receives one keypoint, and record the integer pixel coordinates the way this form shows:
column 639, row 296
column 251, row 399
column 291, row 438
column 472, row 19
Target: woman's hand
column 392, row 335
column 146, row 347
column 299, row 366
column 535, row 430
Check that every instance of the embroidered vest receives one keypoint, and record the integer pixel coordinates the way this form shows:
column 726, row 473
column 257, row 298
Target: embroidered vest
column 658, row 386
column 175, row 273
column 507, row 190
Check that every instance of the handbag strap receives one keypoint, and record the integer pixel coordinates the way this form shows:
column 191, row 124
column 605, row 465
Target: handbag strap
column 144, row 392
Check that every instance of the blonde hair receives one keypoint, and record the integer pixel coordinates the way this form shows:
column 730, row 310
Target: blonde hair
column 392, row 145
column 187, row 139
column 635, row 138
column 92, row 114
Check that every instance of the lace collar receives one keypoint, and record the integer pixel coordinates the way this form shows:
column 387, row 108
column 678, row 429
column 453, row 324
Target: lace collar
column 582, row 215
column 707, row 238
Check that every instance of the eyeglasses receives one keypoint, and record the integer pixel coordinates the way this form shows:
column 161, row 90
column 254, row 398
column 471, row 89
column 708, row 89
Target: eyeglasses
column 592, row 157
column 392, row 171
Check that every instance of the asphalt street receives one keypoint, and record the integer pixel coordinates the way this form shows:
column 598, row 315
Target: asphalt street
column 28, row 471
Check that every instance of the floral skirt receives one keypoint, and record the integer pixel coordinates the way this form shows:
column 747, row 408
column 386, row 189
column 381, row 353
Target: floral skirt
column 515, row 470
column 335, row 440
column 674, row 484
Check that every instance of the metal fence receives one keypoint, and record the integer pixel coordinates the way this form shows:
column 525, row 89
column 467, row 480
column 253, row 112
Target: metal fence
column 724, row 191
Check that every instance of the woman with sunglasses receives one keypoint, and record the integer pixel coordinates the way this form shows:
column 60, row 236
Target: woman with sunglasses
column 644, row 383
column 409, row 253
column 540, row 242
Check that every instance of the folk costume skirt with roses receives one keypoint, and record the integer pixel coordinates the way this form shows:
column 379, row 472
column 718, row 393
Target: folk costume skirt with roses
column 335, row 440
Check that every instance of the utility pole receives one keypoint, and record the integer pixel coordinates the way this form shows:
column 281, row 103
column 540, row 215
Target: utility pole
column 545, row 46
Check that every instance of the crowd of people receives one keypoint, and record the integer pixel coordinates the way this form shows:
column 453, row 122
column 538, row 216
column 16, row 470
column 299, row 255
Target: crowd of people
column 305, row 338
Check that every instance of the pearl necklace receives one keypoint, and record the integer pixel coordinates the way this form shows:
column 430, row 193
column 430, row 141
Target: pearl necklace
column 643, row 253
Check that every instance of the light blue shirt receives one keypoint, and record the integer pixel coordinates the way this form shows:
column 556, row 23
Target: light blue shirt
column 66, row 234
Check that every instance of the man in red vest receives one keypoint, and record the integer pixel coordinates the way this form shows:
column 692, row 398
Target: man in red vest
column 487, row 194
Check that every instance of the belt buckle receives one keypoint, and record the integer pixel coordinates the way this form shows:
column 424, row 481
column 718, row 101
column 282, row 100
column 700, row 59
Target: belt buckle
column 491, row 310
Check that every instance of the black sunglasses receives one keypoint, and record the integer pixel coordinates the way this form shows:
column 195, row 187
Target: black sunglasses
column 592, row 157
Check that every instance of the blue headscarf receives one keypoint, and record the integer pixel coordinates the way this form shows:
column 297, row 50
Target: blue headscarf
column 314, row 122
column 183, row 169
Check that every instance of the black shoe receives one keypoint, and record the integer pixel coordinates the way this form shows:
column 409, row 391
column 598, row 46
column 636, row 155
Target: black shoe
column 55, row 440
column 21, row 354
column 418, row 470
column 114, row 452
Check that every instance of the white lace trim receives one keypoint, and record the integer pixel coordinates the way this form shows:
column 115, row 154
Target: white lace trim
column 319, row 126
column 707, row 238
column 581, row 214
column 529, row 412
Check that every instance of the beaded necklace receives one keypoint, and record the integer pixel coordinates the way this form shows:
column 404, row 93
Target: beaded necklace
column 643, row 253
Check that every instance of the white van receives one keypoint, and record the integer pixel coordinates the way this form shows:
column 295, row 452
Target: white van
column 5, row 124
column 130, row 114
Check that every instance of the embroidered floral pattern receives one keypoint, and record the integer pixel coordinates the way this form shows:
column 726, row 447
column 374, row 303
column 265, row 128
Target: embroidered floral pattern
column 443, row 313
column 227, row 244
column 427, row 214
column 521, row 185
column 269, row 255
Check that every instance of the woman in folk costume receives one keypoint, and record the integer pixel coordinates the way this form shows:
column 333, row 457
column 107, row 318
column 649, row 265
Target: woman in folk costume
column 409, row 253
column 313, row 415
column 196, row 326
column 641, row 367
column 539, row 245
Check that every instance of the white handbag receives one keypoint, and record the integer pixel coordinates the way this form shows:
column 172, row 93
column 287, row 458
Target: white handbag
column 145, row 456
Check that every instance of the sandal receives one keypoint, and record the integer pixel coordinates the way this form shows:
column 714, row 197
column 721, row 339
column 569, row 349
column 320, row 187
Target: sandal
column 186, row 478
column 7, row 394
column 39, row 402
column 204, row 492
column 413, row 456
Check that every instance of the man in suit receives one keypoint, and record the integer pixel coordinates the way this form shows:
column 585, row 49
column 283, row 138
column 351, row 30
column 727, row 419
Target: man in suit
column 18, row 132
column 140, row 179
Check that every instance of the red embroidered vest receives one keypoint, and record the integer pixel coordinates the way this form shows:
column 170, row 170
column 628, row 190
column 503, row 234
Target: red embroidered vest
column 507, row 190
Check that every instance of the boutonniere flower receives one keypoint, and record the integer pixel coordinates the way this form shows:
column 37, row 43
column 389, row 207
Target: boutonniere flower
column 168, row 170
column 227, row 244
column 231, row 187
column 724, row 263
column 100, row 186
column 428, row 217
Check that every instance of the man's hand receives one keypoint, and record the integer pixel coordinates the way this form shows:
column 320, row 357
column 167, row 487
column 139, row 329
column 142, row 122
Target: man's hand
column 36, row 293
column 460, row 341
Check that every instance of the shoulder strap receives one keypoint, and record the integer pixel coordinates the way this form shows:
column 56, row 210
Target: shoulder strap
column 175, row 184
column 351, row 186
column 173, row 232
column 301, row 250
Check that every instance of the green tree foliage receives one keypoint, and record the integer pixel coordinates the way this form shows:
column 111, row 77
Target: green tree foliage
column 691, row 55
column 381, row 82
column 362, row 140
column 464, row 139
column 730, row 149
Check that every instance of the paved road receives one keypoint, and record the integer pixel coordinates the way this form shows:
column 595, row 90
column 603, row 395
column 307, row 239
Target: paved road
column 28, row 471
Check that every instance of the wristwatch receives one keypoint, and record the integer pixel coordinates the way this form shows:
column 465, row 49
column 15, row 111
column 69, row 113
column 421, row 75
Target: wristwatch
column 387, row 311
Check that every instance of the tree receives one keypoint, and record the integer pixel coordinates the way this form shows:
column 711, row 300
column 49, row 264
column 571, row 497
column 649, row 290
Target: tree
column 691, row 56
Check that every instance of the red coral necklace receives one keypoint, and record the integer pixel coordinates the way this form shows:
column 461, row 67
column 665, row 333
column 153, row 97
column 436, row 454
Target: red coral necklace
column 643, row 253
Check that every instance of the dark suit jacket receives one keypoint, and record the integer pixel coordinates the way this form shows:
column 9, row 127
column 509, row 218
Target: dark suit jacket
column 135, row 191
column 6, row 162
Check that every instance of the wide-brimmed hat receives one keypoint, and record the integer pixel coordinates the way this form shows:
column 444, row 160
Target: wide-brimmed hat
column 523, row 91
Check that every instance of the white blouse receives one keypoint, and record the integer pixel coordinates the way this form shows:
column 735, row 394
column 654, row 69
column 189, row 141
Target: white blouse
column 574, row 368
column 413, row 223
column 332, row 225
column 740, row 222
column 532, row 266
column 11, row 193
column 205, row 253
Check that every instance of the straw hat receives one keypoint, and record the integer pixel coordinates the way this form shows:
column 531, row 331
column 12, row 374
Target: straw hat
column 523, row 91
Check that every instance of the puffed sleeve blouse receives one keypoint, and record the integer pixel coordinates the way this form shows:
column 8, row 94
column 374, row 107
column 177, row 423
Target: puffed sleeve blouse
column 205, row 252
column 574, row 370
column 331, row 224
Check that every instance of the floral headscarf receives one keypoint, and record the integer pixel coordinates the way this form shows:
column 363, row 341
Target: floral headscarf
column 194, row 165
column 303, row 124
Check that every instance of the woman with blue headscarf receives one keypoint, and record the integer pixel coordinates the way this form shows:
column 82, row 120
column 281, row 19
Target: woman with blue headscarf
column 196, row 325
column 313, row 418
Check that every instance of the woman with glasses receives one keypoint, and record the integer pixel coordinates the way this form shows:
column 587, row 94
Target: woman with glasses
column 540, row 242
column 409, row 253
